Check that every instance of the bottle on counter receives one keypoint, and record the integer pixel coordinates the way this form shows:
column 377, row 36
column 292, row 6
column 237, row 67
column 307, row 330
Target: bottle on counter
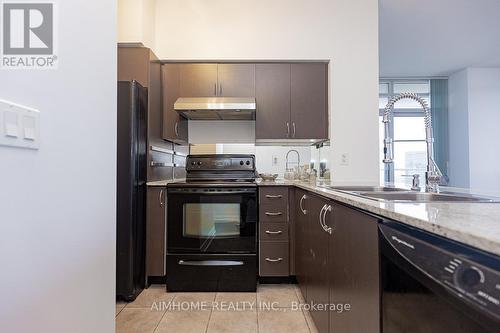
column 313, row 174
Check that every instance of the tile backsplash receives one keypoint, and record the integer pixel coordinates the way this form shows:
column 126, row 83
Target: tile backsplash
column 272, row 159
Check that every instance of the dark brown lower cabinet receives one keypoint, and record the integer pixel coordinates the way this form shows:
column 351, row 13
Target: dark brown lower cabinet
column 354, row 271
column 341, row 268
column 301, row 245
column 155, row 231
column 317, row 277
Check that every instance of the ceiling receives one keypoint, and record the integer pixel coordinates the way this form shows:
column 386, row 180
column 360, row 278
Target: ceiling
column 437, row 37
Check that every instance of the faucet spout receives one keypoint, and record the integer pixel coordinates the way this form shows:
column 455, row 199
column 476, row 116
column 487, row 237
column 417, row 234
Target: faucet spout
column 286, row 158
column 432, row 175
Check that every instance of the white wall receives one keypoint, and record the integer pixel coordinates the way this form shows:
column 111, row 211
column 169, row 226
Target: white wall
column 484, row 134
column 345, row 32
column 57, row 204
column 474, row 115
column 136, row 21
column 458, row 129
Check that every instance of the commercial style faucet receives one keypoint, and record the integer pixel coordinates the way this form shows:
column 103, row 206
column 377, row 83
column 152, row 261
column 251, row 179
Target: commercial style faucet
column 432, row 175
column 288, row 153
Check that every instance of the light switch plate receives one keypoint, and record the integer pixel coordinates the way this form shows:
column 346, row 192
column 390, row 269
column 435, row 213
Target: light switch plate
column 19, row 126
column 11, row 124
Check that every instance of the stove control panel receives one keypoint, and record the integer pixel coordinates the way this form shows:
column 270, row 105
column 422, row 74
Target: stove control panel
column 220, row 163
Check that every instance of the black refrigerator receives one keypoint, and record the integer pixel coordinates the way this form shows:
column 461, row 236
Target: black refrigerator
column 131, row 189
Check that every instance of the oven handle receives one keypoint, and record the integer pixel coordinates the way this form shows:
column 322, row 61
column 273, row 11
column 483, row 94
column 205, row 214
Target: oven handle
column 211, row 262
column 211, row 192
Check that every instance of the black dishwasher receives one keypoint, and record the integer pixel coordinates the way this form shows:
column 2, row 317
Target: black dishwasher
column 431, row 284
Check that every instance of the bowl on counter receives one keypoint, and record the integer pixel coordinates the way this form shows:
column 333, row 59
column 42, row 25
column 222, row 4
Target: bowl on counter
column 268, row 177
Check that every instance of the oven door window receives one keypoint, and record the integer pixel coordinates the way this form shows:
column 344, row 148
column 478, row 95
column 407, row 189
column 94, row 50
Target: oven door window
column 211, row 220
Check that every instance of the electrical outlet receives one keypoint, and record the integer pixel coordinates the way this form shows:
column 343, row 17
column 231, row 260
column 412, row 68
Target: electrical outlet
column 344, row 159
column 275, row 160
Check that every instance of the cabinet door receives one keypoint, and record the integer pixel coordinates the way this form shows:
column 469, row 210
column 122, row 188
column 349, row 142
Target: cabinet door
column 236, row 80
column 301, row 244
column 155, row 231
column 318, row 280
column 198, row 80
column 309, row 104
column 174, row 126
column 354, row 271
column 133, row 64
column 272, row 93
column 155, row 126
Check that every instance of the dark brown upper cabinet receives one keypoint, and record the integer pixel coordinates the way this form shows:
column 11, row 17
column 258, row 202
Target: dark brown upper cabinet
column 224, row 80
column 272, row 93
column 236, row 80
column 292, row 101
column 175, row 127
column 309, row 103
column 198, row 80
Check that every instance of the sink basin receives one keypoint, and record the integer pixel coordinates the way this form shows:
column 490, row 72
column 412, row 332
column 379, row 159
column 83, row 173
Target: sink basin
column 366, row 189
column 424, row 197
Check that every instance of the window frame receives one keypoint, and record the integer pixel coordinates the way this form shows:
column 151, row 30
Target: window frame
column 389, row 171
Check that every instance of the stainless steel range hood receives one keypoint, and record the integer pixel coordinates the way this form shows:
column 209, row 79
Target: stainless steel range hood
column 216, row 108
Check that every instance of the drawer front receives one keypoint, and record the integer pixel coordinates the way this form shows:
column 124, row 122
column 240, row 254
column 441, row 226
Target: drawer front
column 274, row 259
column 273, row 232
column 274, row 195
column 273, row 213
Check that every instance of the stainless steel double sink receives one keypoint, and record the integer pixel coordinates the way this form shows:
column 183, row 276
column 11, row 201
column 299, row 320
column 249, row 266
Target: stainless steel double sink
column 394, row 194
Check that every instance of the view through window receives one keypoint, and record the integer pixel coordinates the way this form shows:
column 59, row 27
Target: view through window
column 407, row 129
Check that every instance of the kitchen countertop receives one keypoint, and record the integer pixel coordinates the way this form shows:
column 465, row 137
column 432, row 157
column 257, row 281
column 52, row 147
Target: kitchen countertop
column 474, row 224
column 163, row 183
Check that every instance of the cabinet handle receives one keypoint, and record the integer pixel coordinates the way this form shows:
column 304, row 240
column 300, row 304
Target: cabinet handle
column 177, row 129
column 220, row 89
column 287, row 129
column 304, row 211
column 215, row 89
column 160, row 197
column 321, row 216
column 279, row 232
column 274, row 260
column 274, row 214
column 293, row 126
column 279, row 196
column 325, row 227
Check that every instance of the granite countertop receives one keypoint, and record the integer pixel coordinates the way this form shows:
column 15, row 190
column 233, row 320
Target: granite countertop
column 474, row 224
column 163, row 183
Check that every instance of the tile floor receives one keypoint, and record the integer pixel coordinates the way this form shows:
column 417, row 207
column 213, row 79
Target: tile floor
column 269, row 310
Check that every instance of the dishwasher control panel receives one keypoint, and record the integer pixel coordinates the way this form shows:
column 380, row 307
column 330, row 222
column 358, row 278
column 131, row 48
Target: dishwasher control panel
column 450, row 264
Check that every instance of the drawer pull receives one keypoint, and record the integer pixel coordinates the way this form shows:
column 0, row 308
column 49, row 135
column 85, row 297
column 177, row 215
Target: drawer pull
column 269, row 196
column 274, row 214
column 274, row 260
column 274, row 232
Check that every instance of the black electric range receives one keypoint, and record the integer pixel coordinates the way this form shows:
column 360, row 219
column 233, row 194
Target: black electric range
column 212, row 225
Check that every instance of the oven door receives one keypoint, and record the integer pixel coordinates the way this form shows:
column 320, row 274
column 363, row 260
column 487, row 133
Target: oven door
column 212, row 220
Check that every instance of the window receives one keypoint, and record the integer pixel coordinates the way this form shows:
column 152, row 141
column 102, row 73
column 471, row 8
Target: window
column 407, row 129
